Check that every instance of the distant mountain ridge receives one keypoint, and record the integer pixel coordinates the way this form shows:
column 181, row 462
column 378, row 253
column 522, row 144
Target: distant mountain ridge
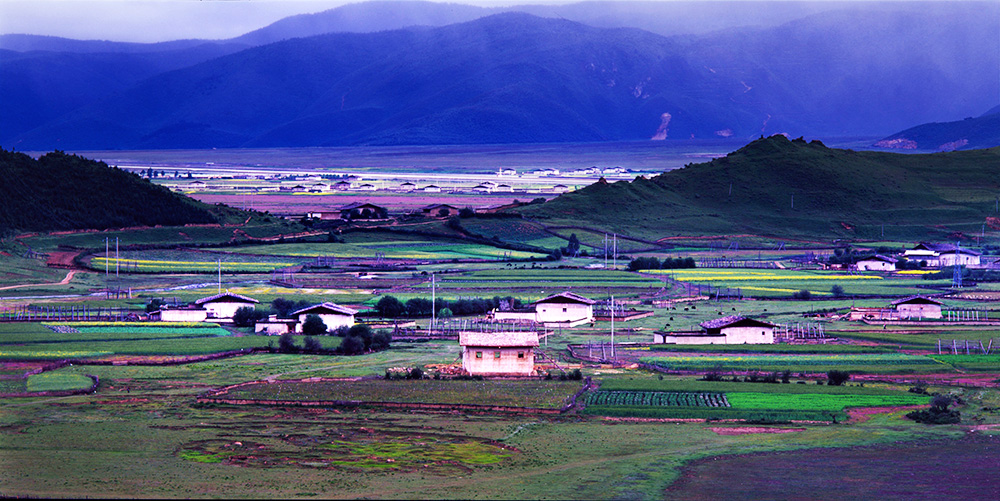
column 502, row 78
column 968, row 134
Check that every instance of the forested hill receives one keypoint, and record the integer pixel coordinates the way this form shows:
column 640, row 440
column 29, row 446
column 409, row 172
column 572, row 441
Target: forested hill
column 781, row 188
column 67, row 192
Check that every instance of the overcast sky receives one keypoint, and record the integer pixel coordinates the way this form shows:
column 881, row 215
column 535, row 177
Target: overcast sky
column 159, row 20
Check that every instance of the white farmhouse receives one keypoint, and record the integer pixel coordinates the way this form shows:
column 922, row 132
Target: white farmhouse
column 333, row 315
column 877, row 262
column 498, row 353
column 565, row 309
column 917, row 307
column 224, row 305
column 732, row 329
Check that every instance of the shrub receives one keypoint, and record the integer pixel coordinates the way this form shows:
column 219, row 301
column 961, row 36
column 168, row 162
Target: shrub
column 247, row 316
column 837, row 378
column 352, row 345
column 312, row 344
column 416, row 373
column 286, row 343
column 803, row 294
column 837, row 291
column 938, row 413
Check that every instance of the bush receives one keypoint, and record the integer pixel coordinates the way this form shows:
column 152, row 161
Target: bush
column 312, row 344
column 352, row 345
column 416, row 373
column 803, row 294
column 247, row 316
column 837, row 291
column 390, row 307
column 938, row 413
column 837, row 378
column 286, row 343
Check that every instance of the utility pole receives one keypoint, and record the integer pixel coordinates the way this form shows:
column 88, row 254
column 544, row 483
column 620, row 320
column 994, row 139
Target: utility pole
column 433, row 300
column 615, row 251
column 613, row 328
column 220, row 274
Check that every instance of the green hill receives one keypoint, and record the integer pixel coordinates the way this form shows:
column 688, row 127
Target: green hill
column 785, row 189
column 67, row 192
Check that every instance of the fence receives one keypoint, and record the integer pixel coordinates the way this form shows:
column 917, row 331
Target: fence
column 66, row 314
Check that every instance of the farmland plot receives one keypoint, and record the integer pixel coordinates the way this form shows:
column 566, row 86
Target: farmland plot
column 179, row 261
column 865, row 362
column 777, row 283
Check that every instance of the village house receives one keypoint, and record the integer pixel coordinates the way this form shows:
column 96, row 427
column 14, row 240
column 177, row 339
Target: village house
column 431, row 188
column 917, row 307
column 333, row 315
column 367, row 187
column 565, row 309
column 482, row 188
column 407, row 186
column 218, row 308
column 733, row 329
column 498, row 353
column 943, row 255
column 560, row 188
column 363, row 210
column 504, row 188
column 877, row 262
column 435, row 210
column 342, row 185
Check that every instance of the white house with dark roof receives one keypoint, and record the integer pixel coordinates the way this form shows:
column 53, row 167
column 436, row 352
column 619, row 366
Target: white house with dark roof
column 224, row 304
column 498, row 353
column 733, row 329
column 877, row 262
column 943, row 255
column 565, row 309
column 917, row 307
column 333, row 315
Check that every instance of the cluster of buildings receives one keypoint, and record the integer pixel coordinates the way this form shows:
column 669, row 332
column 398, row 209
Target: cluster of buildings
column 931, row 255
column 222, row 307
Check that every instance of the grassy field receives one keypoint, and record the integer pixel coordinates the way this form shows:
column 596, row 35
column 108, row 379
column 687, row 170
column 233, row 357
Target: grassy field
column 536, row 394
column 874, row 363
column 782, row 283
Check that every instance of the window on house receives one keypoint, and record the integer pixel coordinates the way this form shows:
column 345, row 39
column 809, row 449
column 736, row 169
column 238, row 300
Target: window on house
column 564, row 310
column 520, row 354
column 496, row 354
column 479, row 354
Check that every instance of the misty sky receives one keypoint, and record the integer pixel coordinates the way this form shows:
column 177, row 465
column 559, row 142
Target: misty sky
column 159, row 20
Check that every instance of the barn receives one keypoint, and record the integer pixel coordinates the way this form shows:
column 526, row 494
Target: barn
column 565, row 309
column 333, row 315
column 733, row 329
column 498, row 353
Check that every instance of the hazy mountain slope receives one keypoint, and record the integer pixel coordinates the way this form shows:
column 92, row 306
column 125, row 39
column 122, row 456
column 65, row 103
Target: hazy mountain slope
column 518, row 78
column 794, row 189
column 38, row 86
column 971, row 133
column 64, row 192
column 366, row 17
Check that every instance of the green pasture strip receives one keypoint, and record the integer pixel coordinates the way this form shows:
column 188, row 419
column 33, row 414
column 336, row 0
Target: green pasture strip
column 508, row 230
column 537, row 394
column 178, row 346
column 778, row 283
column 927, row 341
column 821, row 402
column 698, row 386
column 89, row 324
column 714, row 413
column 106, row 336
column 656, row 399
column 57, row 381
column 13, row 385
column 430, row 250
column 554, row 284
column 761, row 348
column 162, row 331
column 854, row 362
column 971, row 362
column 554, row 273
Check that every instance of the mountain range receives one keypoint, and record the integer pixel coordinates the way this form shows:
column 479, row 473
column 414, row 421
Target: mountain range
column 385, row 73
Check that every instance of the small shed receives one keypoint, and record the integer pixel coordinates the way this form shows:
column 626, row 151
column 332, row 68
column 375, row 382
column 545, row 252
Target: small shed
column 333, row 315
column 225, row 304
column 435, row 210
column 917, row 307
column 498, row 353
column 275, row 326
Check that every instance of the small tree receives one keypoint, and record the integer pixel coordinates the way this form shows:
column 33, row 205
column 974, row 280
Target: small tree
column 154, row 305
column 352, row 345
column 837, row 291
column 312, row 344
column 247, row 316
column 313, row 325
column 803, row 294
column 390, row 307
column 837, row 378
column 286, row 343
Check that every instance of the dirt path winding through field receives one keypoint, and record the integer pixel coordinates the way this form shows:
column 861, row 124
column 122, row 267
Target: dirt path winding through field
column 69, row 276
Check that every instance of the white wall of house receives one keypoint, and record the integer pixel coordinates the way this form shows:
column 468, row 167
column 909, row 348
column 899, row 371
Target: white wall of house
column 182, row 315
column 514, row 316
column 919, row 310
column 875, row 265
column 332, row 320
column 959, row 259
column 748, row 335
column 681, row 338
column 563, row 313
column 224, row 309
column 493, row 361
column 273, row 328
